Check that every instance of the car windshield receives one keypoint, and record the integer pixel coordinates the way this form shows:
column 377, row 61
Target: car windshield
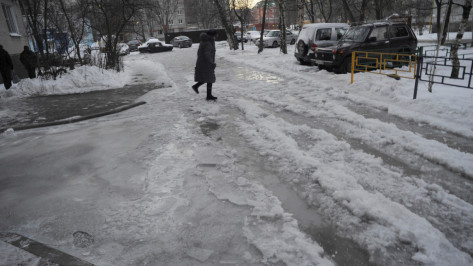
column 184, row 38
column 273, row 34
column 357, row 34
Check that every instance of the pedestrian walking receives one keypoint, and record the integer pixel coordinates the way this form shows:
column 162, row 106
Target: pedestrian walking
column 6, row 67
column 205, row 65
column 29, row 60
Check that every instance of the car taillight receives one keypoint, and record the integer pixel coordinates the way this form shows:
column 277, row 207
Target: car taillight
column 314, row 47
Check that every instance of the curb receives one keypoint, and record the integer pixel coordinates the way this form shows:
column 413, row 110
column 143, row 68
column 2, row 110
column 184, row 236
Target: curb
column 51, row 256
column 74, row 120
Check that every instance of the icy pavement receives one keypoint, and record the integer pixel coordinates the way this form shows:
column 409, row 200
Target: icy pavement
column 43, row 109
column 285, row 168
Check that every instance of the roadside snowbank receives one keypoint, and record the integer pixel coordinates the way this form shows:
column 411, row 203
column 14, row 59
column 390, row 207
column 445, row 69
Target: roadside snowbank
column 91, row 78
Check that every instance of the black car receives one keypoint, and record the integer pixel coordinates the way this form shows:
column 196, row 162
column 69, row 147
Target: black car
column 181, row 41
column 385, row 37
column 153, row 46
column 238, row 36
column 133, row 45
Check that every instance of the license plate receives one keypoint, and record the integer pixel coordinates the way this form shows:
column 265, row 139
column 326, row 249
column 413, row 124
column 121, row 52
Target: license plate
column 319, row 62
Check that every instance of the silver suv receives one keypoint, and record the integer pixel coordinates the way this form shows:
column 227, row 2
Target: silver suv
column 273, row 38
column 317, row 35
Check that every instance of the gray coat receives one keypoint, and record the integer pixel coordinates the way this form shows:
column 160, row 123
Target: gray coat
column 205, row 66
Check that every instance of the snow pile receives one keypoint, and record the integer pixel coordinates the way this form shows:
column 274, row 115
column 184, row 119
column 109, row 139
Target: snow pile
column 91, row 78
column 80, row 80
column 146, row 68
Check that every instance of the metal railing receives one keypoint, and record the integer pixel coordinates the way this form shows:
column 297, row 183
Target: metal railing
column 395, row 65
column 442, row 75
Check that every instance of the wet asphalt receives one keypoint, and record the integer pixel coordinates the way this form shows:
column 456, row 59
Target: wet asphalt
column 45, row 109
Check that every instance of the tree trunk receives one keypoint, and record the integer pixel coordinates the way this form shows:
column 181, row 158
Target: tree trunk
column 438, row 3
column 229, row 30
column 447, row 21
column 261, row 44
column 282, row 26
column 456, row 44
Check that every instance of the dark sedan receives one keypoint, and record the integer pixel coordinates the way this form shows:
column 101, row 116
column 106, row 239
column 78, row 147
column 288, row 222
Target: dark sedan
column 154, row 47
column 134, row 45
column 181, row 41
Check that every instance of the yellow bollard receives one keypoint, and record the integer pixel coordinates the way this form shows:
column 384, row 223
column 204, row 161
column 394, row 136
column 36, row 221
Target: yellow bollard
column 352, row 66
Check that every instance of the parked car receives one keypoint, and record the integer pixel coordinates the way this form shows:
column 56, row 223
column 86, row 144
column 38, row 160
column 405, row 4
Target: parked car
column 123, row 48
column 133, row 45
column 387, row 37
column 181, row 41
column 238, row 36
column 154, row 46
column 317, row 35
column 254, row 35
column 273, row 39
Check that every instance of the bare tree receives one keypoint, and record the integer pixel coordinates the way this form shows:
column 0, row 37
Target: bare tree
column 109, row 18
column 325, row 9
column 309, row 6
column 34, row 17
column 223, row 7
column 74, row 16
column 164, row 10
column 446, row 22
column 454, row 51
column 203, row 13
column 261, row 43
column 282, row 26
column 241, row 8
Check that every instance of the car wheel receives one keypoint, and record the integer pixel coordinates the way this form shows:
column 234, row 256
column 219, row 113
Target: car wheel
column 275, row 44
column 293, row 41
column 345, row 67
column 302, row 48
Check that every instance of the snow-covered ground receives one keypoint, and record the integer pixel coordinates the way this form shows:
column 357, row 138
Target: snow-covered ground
column 291, row 165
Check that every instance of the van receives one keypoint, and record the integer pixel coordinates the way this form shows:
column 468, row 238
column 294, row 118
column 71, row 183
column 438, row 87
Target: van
column 313, row 36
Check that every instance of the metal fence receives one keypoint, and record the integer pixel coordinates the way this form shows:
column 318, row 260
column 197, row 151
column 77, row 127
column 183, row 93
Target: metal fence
column 443, row 70
column 395, row 65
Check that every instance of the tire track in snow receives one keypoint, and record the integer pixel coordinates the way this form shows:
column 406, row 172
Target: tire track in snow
column 269, row 135
column 461, row 162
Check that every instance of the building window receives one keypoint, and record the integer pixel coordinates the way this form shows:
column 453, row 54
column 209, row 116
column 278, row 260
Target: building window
column 171, row 22
column 181, row 21
column 179, row 11
column 10, row 17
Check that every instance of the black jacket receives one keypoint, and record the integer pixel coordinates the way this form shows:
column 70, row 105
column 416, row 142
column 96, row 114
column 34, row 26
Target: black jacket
column 205, row 65
column 28, row 59
column 5, row 61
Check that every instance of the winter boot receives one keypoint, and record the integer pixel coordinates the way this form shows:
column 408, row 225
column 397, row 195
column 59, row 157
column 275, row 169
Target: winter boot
column 209, row 93
column 195, row 87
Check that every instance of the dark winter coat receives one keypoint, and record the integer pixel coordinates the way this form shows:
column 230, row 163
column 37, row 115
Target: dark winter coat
column 28, row 59
column 205, row 66
column 5, row 61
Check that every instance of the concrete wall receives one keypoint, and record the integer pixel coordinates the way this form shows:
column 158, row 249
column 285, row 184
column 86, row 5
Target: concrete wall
column 13, row 43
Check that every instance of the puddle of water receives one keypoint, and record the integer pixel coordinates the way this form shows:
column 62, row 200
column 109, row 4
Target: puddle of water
column 208, row 127
column 58, row 107
column 249, row 74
